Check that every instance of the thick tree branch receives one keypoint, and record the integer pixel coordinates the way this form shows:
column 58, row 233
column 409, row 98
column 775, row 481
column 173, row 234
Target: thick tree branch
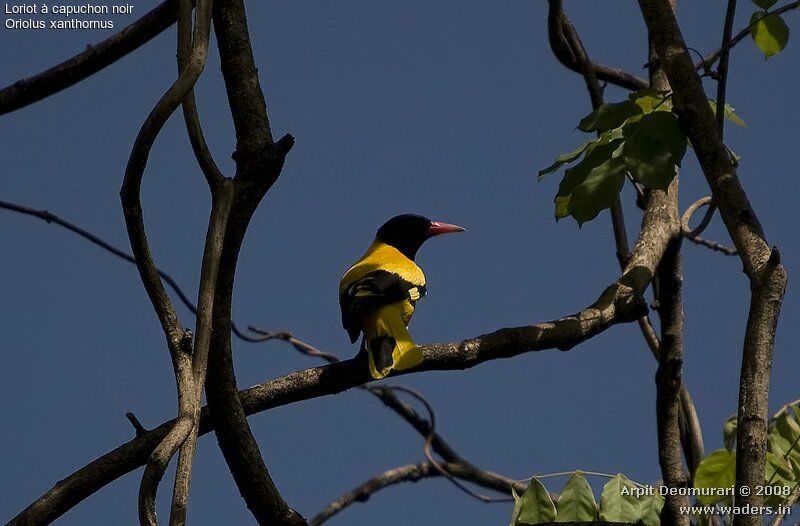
column 259, row 162
column 761, row 263
column 93, row 59
column 619, row 303
column 413, row 473
column 221, row 193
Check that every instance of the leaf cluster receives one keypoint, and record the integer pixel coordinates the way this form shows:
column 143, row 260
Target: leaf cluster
column 620, row 501
column 718, row 470
column 640, row 138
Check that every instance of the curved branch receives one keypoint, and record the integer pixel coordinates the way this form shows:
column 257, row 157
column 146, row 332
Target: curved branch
column 413, row 473
column 93, row 59
column 134, row 222
column 562, row 52
column 621, row 302
column 191, row 116
column 693, row 234
column 259, row 161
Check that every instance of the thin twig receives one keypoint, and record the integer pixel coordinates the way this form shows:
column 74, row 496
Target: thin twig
column 712, row 57
column 407, row 473
column 429, row 438
column 72, row 227
column 137, row 426
column 93, row 59
column 693, row 234
column 722, row 68
column 387, row 397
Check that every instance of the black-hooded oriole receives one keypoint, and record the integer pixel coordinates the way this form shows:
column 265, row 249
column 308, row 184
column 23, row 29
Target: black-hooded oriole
column 378, row 293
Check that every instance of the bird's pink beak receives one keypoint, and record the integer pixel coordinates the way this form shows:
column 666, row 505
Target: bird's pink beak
column 437, row 227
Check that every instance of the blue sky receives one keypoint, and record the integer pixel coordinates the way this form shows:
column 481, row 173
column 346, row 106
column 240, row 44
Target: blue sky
column 443, row 108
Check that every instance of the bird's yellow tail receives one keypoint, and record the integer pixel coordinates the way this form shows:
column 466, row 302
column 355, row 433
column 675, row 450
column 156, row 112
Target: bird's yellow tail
column 388, row 343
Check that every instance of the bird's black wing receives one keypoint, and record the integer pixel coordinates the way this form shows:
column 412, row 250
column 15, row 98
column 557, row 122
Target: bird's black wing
column 372, row 291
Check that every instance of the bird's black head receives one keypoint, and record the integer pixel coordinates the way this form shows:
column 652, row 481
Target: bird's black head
column 408, row 232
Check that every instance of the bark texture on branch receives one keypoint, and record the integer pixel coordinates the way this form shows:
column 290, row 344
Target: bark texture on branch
column 259, row 161
column 761, row 263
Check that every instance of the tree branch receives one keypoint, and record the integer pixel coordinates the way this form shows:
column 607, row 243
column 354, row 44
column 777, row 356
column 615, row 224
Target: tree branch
column 134, row 221
column 259, row 162
column 670, row 356
column 412, row 473
column 761, row 264
column 693, row 234
column 567, row 58
column 93, row 59
column 619, row 303
column 221, row 194
column 691, row 434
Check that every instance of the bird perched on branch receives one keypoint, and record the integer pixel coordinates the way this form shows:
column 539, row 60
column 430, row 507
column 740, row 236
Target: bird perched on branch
column 378, row 293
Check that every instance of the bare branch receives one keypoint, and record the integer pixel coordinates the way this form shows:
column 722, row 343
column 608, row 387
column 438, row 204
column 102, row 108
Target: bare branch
column 221, row 198
column 180, row 350
column 409, row 473
column 137, row 426
column 722, row 68
column 761, row 263
column 565, row 56
column 668, row 384
column 93, row 59
column 693, row 235
column 191, row 116
column 259, row 161
column 160, row 457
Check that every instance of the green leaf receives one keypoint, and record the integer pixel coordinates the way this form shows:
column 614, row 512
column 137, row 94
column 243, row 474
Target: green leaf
column 600, row 153
column 764, row 4
column 517, row 507
column 562, row 206
column 729, row 432
column 769, row 32
column 650, row 509
column 651, row 100
column 618, row 503
column 576, row 503
column 779, row 445
column 778, row 470
column 729, row 113
column 565, row 158
column 717, row 470
column 598, row 191
column 654, row 145
column 537, row 506
column 609, row 116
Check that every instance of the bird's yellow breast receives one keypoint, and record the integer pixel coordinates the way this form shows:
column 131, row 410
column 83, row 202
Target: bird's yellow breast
column 380, row 256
